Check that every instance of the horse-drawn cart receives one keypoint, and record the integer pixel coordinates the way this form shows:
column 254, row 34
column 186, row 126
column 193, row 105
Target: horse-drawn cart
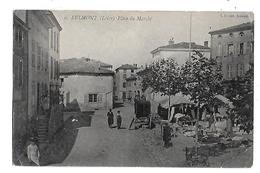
column 142, row 114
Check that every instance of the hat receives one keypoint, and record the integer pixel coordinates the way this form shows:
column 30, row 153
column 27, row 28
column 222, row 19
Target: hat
column 32, row 139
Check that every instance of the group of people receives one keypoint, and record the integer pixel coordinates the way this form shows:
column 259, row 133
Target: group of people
column 110, row 119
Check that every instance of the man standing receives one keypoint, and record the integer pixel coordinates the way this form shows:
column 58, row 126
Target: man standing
column 110, row 118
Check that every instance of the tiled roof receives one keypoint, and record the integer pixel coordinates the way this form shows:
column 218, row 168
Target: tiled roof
column 127, row 67
column 181, row 45
column 235, row 28
column 84, row 66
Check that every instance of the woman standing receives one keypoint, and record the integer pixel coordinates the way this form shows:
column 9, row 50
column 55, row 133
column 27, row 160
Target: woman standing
column 110, row 118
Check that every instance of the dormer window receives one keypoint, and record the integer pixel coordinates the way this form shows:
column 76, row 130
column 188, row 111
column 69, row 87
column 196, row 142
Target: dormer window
column 241, row 34
column 231, row 34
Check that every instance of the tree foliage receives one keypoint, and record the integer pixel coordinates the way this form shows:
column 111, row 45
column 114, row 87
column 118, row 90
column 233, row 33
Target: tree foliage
column 163, row 76
column 202, row 77
column 240, row 92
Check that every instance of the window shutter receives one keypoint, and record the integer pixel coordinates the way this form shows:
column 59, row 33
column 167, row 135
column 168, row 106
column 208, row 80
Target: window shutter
column 99, row 98
column 85, row 98
column 245, row 47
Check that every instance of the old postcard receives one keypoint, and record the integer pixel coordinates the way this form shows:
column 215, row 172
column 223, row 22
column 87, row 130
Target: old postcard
column 133, row 88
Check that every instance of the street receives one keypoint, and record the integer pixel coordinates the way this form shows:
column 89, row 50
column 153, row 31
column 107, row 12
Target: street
column 99, row 145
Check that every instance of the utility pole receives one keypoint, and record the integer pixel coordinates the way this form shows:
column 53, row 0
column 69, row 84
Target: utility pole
column 190, row 36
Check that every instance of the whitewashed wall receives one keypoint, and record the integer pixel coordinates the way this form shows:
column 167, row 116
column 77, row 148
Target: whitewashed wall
column 80, row 86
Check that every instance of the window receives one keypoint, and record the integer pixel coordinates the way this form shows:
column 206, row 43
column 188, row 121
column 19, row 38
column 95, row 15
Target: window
column 219, row 36
column 42, row 60
column 241, row 34
column 51, row 68
column 54, row 41
column 230, row 49
column 124, row 95
column 46, row 61
column 33, row 88
column 240, row 69
column 132, row 71
column 231, row 34
column 67, row 97
column 19, row 36
column 241, row 48
column 92, row 98
column 229, row 71
column 58, row 42
column 252, row 47
column 19, row 72
column 124, row 84
column 219, row 49
column 99, row 98
column 33, row 53
column 51, row 38
column 38, row 56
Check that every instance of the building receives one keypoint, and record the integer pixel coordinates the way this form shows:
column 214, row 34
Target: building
column 88, row 81
column 31, row 71
column 179, row 51
column 54, row 58
column 233, row 47
column 133, row 86
column 120, row 83
column 43, row 58
column 20, row 85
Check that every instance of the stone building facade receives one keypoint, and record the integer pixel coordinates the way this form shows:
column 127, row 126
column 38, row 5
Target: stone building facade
column 89, row 82
column 41, row 57
column 120, row 83
column 20, row 85
column 233, row 47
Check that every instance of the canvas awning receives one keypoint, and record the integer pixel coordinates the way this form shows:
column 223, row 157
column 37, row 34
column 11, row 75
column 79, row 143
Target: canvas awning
column 177, row 99
column 224, row 100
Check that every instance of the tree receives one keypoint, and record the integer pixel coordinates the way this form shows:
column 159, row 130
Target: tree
column 163, row 76
column 202, row 78
column 241, row 92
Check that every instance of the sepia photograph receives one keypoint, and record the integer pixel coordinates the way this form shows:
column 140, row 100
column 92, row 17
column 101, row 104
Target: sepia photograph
column 133, row 88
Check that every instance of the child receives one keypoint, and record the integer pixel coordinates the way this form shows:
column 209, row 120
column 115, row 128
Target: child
column 33, row 152
column 118, row 120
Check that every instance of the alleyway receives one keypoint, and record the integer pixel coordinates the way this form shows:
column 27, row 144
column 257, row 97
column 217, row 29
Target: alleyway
column 100, row 146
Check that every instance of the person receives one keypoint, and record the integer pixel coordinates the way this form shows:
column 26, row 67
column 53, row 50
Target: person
column 167, row 135
column 159, row 109
column 204, row 112
column 118, row 120
column 33, row 153
column 229, row 127
column 212, row 122
column 110, row 118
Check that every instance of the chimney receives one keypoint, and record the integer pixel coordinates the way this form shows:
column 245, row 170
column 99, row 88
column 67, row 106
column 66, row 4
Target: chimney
column 206, row 44
column 171, row 41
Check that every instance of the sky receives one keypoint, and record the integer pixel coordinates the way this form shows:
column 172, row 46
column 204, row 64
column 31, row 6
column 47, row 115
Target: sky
column 120, row 37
